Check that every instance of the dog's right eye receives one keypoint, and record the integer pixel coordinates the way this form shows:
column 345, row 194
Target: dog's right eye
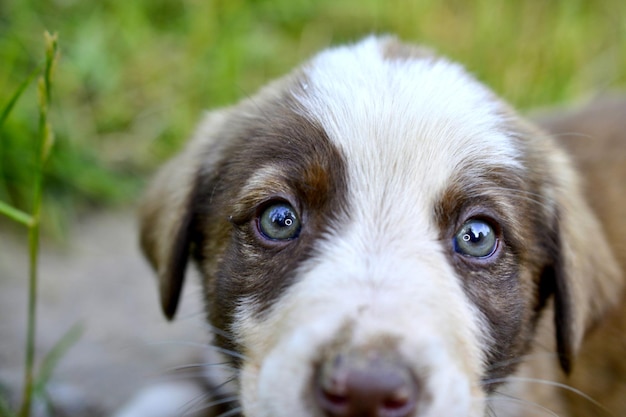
column 279, row 221
column 476, row 239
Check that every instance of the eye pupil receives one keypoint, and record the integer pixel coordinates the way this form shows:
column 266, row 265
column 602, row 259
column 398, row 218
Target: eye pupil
column 279, row 222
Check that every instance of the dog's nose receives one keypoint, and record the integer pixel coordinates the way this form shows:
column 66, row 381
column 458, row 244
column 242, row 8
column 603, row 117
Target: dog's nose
column 366, row 385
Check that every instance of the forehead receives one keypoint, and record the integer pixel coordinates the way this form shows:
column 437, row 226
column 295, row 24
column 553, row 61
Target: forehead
column 400, row 116
column 384, row 126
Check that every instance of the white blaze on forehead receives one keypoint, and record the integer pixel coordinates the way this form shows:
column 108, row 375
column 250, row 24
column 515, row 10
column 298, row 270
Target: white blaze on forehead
column 404, row 124
column 407, row 126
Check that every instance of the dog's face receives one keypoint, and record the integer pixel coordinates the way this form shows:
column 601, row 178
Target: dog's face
column 378, row 235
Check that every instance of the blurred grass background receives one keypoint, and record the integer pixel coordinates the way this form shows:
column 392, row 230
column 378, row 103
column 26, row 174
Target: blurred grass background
column 134, row 75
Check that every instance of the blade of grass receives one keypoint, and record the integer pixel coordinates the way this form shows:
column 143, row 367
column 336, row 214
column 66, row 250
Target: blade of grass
column 16, row 215
column 55, row 354
column 50, row 362
column 6, row 111
column 45, row 143
column 18, row 93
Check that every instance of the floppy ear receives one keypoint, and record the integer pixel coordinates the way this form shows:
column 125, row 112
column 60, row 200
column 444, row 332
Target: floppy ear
column 587, row 279
column 166, row 211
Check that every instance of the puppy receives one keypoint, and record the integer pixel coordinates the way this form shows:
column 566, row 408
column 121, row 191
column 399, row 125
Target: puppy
column 378, row 234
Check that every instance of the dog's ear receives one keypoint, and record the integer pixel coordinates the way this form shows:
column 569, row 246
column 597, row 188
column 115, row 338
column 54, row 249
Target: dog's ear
column 586, row 277
column 167, row 209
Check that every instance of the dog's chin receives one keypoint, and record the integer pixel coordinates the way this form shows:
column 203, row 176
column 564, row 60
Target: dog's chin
column 303, row 354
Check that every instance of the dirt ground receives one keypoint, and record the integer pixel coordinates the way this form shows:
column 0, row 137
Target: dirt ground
column 100, row 280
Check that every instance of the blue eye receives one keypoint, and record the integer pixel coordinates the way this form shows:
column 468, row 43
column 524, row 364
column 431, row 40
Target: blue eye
column 279, row 221
column 476, row 239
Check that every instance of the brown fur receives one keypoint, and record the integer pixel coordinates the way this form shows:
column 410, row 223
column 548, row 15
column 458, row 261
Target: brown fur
column 505, row 291
column 596, row 136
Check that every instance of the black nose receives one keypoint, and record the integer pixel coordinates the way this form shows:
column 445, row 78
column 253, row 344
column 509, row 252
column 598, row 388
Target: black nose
column 366, row 385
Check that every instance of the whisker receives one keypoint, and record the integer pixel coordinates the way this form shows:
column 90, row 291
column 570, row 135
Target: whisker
column 213, row 393
column 520, row 359
column 226, row 352
column 193, row 371
column 191, row 405
column 200, row 365
column 223, row 384
column 233, row 412
column 553, row 384
column 190, row 376
column 223, row 333
column 520, row 401
column 490, row 411
column 187, row 376
column 191, row 409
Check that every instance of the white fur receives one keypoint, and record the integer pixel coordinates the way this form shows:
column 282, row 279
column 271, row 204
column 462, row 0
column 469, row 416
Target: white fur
column 385, row 269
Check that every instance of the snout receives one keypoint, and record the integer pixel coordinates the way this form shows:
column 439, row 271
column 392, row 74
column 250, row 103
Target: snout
column 369, row 383
column 357, row 349
column 358, row 373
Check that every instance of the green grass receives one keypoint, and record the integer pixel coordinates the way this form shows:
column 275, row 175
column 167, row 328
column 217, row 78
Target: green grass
column 35, row 378
column 135, row 75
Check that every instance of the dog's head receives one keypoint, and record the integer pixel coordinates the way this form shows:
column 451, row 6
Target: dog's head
column 378, row 234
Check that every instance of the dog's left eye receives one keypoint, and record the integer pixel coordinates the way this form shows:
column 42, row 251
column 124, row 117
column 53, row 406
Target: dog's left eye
column 279, row 221
column 476, row 238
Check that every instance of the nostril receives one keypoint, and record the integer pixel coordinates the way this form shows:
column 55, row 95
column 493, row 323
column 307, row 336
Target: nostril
column 338, row 400
column 335, row 404
column 397, row 400
column 366, row 385
column 332, row 391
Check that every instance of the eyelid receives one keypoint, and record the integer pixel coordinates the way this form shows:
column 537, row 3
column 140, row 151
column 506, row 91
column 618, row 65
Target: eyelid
column 483, row 213
column 251, row 206
column 278, row 198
